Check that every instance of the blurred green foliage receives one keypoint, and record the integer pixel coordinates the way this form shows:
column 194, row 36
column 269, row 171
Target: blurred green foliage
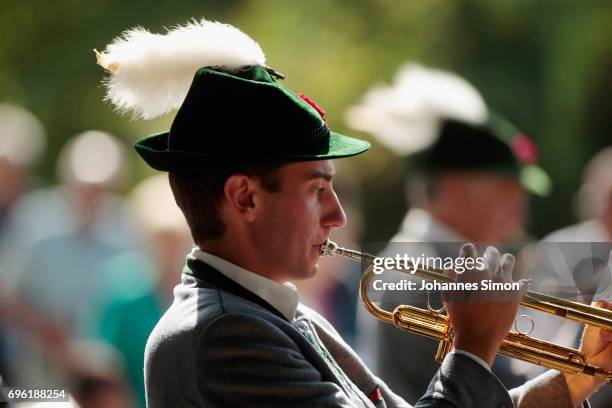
column 547, row 65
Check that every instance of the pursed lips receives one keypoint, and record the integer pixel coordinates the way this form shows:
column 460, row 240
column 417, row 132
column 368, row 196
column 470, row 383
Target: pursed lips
column 319, row 245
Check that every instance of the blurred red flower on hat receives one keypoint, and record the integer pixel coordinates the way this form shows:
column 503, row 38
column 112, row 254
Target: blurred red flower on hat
column 524, row 148
column 313, row 104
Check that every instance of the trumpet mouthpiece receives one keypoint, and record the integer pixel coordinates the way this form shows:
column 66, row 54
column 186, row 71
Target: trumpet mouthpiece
column 328, row 248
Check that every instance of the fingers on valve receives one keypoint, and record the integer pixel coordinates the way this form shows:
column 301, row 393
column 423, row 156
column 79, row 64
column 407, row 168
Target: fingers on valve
column 467, row 250
column 507, row 267
column 492, row 261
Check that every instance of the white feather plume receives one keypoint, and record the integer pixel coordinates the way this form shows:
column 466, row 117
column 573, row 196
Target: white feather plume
column 150, row 74
column 406, row 116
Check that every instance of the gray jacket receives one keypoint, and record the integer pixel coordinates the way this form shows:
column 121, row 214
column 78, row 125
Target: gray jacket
column 220, row 345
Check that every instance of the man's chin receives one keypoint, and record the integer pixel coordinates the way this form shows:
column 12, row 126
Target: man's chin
column 309, row 272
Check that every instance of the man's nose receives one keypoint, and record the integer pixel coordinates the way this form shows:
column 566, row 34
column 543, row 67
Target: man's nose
column 335, row 216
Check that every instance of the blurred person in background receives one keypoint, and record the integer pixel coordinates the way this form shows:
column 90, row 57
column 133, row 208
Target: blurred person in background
column 141, row 283
column 594, row 203
column 58, row 236
column 97, row 376
column 95, row 379
column 22, row 141
column 90, row 169
column 470, row 176
column 576, row 263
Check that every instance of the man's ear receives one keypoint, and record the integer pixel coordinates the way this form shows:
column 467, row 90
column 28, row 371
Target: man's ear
column 239, row 191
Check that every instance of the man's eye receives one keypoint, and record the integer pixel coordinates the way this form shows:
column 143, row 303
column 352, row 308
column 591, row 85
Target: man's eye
column 320, row 190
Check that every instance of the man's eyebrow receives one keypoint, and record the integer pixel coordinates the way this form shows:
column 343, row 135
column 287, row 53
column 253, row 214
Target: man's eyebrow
column 321, row 174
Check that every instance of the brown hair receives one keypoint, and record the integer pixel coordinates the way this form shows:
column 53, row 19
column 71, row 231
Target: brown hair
column 198, row 194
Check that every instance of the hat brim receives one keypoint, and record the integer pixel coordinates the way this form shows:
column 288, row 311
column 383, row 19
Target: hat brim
column 535, row 180
column 155, row 152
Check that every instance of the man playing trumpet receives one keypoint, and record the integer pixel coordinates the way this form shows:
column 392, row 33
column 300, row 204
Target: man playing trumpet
column 249, row 164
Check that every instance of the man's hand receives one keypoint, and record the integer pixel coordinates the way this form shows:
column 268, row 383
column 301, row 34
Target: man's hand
column 596, row 345
column 481, row 319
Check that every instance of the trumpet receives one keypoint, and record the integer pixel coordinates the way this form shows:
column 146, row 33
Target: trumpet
column 436, row 325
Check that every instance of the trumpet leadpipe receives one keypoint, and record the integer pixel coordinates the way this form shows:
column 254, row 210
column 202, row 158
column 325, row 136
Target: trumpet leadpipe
column 575, row 311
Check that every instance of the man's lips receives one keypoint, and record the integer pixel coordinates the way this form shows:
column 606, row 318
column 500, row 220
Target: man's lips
column 321, row 243
column 318, row 246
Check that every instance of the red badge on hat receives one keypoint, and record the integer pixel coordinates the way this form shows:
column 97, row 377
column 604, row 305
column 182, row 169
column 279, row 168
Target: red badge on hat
column 313, row 104
column 524, row 148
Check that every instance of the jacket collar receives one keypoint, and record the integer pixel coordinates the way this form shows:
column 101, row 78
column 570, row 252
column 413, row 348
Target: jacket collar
column 280, row 299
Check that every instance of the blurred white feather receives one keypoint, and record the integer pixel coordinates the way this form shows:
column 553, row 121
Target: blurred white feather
column 150, row 74
column 406, row 116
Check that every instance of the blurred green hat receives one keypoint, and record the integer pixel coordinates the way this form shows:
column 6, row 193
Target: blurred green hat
column 440, row 122
column 495, row 145
column 233, row 109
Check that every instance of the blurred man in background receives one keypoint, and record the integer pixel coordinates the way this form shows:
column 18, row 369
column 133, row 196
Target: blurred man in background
column 469, row 181
column 58, row 236
column 140, row 283
column 594, row 208
column 575, row 264
column 22, row 140
column 594, row 202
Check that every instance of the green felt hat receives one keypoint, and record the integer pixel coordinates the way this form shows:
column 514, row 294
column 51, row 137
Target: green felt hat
column 495, row 145
column 246, row 115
